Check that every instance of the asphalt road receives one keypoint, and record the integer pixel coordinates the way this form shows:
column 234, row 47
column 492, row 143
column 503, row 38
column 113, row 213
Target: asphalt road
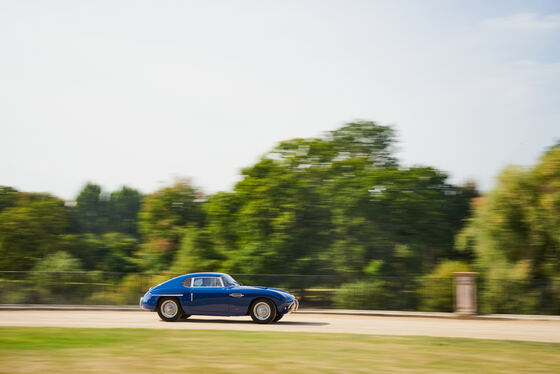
column 544, row 331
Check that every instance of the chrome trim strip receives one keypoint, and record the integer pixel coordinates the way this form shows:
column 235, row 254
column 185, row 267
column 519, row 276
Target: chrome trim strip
column 167, row 294
column 293, row 307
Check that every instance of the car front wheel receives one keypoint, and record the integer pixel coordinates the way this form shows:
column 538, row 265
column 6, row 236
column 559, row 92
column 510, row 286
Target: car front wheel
column 263, row 311
column 169, row 310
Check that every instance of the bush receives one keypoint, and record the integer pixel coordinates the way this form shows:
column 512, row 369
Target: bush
column 126, row 291
column 365, row 294
column 58, row 279
column 507, row 289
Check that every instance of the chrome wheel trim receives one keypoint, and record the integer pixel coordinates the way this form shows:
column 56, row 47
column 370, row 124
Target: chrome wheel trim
column 169, row 308
column 262, row 311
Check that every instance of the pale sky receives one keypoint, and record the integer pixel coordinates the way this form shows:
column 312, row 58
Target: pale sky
column 136, row 93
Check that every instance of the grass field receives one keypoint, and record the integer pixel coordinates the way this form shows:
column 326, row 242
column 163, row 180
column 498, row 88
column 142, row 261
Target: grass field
column 70, row 350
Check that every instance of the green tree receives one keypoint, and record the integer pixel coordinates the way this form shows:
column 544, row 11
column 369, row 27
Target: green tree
column 57, row 278
column 335, row 204
column 30, row 229
column 198, row 252
column 92, row 209
column 118, row 250
column 113, row 252
column 59, row 262
column 362, row 294
column 399, row 216
column 124, row 207
column 515, row 230
column 282, row 221
column 8, row 197
column 163, row 217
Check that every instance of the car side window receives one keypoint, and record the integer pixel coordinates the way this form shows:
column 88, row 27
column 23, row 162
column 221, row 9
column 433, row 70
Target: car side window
column 207, row 282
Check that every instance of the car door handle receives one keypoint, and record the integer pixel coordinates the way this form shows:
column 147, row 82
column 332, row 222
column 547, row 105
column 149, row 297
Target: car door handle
column 236, row 295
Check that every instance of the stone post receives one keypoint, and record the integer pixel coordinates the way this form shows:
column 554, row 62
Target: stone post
column 465, row 293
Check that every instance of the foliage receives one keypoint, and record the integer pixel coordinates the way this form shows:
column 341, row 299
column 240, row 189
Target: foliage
column 519, row 220
column 125, row 291
column 98, row 212
column 8, row 197
column 162, row 220
column 198, row 253
column 509, row 290
column 335, row 204
column 364, row 294
column 112, row 252
column 58, row 262
column 54, row 279
column 125, row 205
column 515, row 235
column 92, row 209
column 30, row 229
column 339, row 204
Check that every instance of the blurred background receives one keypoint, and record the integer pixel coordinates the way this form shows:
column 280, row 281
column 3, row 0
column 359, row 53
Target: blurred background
column 355, row 153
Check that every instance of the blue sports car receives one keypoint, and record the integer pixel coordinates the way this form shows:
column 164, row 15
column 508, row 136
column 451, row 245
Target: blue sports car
column 216, row 294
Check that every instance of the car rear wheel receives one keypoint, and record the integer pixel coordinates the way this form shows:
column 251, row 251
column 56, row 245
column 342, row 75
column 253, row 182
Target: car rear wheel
column 263, row 311
column 169, row 309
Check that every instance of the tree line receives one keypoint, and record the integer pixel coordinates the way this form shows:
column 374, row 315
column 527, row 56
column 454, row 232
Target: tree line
column 339, row 204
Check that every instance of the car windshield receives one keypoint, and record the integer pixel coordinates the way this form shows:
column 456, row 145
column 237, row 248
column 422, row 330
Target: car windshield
column 229, row 281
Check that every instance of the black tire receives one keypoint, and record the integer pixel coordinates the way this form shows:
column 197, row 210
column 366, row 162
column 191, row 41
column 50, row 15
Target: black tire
column 169, row 309
column 263, row 311
column 185, row 316
column 278, row 317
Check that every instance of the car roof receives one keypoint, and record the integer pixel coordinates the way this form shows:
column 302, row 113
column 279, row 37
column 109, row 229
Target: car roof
column 204, row 275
